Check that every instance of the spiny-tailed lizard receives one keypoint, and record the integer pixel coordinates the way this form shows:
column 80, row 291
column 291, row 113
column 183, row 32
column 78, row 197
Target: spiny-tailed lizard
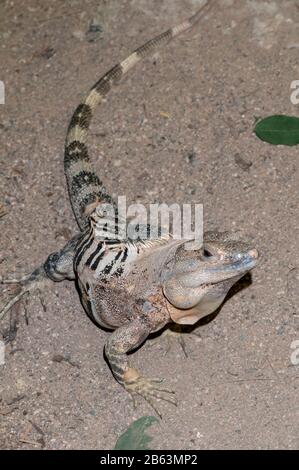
column 133, row 287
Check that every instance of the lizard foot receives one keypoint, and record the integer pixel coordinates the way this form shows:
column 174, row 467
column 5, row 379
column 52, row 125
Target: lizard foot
column 17, row 289
column 149, row 388
column 176, row 333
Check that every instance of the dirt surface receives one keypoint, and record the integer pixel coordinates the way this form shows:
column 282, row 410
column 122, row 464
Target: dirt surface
column 178, row 129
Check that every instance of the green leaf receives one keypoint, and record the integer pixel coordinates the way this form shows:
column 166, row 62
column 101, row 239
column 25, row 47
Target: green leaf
column 279, row 130
column 135, row 437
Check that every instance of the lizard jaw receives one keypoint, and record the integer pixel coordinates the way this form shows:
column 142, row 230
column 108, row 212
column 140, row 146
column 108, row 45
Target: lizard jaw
column 220, row 271
column 205, row 298
column 208, row 299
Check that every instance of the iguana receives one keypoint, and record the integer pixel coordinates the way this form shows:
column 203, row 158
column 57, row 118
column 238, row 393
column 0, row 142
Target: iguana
column 133, row 287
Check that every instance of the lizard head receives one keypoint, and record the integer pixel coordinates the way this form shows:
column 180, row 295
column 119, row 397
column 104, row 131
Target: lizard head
column 195, row 282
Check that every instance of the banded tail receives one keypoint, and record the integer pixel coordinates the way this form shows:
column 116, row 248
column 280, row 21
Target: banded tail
column 86, row 190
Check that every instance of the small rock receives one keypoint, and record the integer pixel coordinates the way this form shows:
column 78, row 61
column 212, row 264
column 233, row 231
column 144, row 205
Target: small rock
column 58, row 358
column 243, row 164
column 95, row 27
column 94, row 32
column 78, row 35
column 191, row 156
column 47, row 53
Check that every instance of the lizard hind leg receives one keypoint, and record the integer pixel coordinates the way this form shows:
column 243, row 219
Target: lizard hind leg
column 58, row 266
column 17, row 289
column 122, row 341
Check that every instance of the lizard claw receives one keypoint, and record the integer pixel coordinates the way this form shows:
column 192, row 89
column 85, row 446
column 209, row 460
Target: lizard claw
column 17, row 289
column 11, row 296
column 13, row 281
column 177, row 332
column 151, row 390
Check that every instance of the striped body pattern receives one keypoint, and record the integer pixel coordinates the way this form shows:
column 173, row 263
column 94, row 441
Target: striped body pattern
column 105, row 258
column 133, row 287
column 119, row 280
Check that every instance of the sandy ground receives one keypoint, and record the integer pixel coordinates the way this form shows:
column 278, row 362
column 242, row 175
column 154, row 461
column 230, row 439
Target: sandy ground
column 178, row 129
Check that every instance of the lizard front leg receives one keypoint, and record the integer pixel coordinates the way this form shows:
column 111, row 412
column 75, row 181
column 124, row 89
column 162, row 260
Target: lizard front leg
column 123, row 340
column 58, row 266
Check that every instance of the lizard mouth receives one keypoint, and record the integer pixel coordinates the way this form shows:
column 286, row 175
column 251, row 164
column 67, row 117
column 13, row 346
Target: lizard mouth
column 240, row 265
column 199, row 293
column 222, row 270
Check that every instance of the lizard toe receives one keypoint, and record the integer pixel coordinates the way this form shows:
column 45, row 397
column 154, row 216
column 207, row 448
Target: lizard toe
column 151, row 391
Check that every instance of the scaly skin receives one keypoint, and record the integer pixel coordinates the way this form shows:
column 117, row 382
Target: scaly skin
column 132, row 287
